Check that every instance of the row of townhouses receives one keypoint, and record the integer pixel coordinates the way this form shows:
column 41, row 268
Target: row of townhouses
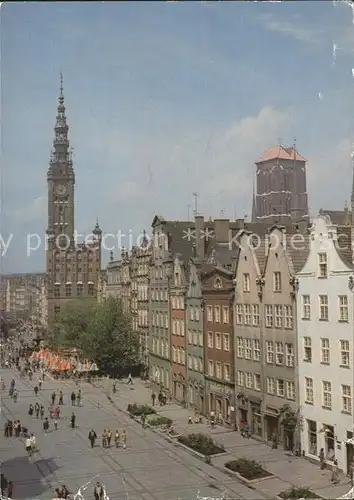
column 250, row 321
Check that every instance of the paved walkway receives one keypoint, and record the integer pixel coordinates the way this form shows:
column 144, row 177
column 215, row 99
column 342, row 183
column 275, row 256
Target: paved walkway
column 288, row 470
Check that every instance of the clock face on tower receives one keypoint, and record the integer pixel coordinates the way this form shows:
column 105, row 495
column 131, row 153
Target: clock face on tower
column 61, row 189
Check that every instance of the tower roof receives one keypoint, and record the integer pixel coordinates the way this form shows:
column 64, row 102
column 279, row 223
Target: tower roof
column 280, row 153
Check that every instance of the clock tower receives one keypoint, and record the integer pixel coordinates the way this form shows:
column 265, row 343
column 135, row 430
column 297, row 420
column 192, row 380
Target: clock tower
column 73, row 268
column 61, row 184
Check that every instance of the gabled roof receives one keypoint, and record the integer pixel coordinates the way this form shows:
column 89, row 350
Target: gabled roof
column 280, row 153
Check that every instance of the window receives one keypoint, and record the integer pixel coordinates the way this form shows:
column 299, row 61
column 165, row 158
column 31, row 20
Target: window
column 195, row 364
column 308, row 390
column 269, row 316
column 322, row 265
column 210, row 314
column 225, row 314
column 79, row 289
column 211, row 368
column 190, row 362
column 240, row 378
column 218, row 370
column 323, row 308
column 218, row 341
column 91, row 289
column 191, row 313
column 307, row 349
column 343, row 308
column 68, row 290
column 257, row 382
column 248, row 380
column 217, row 314
column 347, row 399
column 276, row 281
column 270, row 351
column 226, row 342
column 247, row 311
column 56, row 310
column 280, row 388
column 270, row 385
column 196, row 313
column 255, row 315
column 278, row 310
column 201, row 343
column 57, row 291
column 210, row 340
column 227, row 372
column 256, row 350
column 290, row 391
column 246, row 282
column 248, row 348
column 325, row 351
column 327, row 395
column 290, row 356
column 288, row 316
column 239, row 345
column 344, row 353
column 279, row 353
column 306, row 307
column 239, row 314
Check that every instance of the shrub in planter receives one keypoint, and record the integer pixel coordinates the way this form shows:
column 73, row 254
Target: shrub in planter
column 158, row 421
column 138, row 410
column 201, row 443
column 249, row 469
column 297, row 493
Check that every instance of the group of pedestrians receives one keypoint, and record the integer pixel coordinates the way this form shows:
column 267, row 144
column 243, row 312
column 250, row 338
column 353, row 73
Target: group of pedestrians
column 120, row 438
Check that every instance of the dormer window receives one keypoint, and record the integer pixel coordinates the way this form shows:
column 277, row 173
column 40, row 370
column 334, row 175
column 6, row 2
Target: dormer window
column 322, row 265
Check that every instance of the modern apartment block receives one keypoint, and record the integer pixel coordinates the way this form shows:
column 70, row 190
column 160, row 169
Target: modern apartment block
column 325, row 344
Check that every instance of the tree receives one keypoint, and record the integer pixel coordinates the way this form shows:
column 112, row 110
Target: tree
column 111, row 340
column 71, row 324
column 103, row 332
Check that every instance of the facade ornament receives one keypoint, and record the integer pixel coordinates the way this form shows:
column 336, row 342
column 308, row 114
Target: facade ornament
column 260, row 282
column 294, row 283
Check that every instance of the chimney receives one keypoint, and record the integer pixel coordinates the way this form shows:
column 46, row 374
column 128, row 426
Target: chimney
column 221, row 230
column 199, row 237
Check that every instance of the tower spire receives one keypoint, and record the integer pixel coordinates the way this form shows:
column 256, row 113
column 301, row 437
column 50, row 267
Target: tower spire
column 61, row 84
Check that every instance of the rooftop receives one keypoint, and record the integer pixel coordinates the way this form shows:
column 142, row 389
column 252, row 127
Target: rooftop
column 280, row 153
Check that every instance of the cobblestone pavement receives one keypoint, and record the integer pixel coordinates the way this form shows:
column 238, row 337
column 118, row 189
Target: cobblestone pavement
column 288, row 470
column 149, row 469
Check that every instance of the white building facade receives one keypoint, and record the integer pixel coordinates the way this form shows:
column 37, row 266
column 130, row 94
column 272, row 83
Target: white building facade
column 325, row 344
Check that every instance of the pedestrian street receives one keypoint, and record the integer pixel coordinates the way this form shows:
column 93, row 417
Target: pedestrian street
column 149, row 468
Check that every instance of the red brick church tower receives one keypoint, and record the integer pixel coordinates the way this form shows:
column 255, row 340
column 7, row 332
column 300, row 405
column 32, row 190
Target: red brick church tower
column 281, row 192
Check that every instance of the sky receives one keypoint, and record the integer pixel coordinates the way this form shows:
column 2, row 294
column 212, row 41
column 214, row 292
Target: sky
column 167, row 99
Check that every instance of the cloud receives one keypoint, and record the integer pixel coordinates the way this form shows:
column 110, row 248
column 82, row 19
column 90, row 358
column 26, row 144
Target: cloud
column 301, row 32
column 37, row 209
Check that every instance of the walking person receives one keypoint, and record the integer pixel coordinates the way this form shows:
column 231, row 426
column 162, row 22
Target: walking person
column 39, row 384
column 41, row 411
column 98, row 491
column 78, row 397
column 109, row 438
column 116, row 438
column 61, row 398
column 92, row 438
column 36, row 409
column 104, row 438
column 73, row 420
column 322, row 459
column 28, row 446
column 153, row 398
column 73, row 398
column 36, row 390
column 10, row 490
column 33, row 443
column 46, row 425
column 124, row 439
column 4, row 484
column 15, row 396
column 53, row 398
column 56, row 424
column 130, row 380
